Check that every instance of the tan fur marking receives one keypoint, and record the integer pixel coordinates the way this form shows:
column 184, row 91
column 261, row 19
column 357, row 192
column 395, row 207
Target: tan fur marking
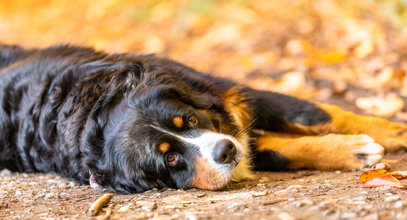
column 178, row 122
column 240, row 112
column 237, row 108
column 164, row 147
column 389, row 134
column 206, row 177
column 329, row 152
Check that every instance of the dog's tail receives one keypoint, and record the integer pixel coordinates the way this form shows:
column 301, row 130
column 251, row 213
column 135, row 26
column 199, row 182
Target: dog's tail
column 11, row 53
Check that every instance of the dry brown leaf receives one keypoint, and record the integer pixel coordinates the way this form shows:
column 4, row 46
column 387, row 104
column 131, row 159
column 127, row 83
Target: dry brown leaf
column 290, row 82
column 273, row 201
column 258, row 194
column 381, row 106
column 100, row 203
column 384, row 180
column 399, row 174
column 371, row 174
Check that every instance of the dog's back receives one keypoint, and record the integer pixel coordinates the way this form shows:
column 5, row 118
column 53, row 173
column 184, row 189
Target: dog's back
column 10, row 54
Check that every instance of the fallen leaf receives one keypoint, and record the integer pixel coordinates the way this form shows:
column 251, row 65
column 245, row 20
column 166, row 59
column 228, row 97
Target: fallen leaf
column 399, row 174
column 385, row 180
column 371, row 174
column 381, row 106
column 100, row 203
column 273, row 201
column 200, row 195
column 258, row 194
column 381, row 166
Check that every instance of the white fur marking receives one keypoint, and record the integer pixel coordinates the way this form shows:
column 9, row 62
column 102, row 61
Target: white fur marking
column 373, row 151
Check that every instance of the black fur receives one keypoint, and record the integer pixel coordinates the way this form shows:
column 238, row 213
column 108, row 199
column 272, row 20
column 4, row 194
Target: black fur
column 74, row 111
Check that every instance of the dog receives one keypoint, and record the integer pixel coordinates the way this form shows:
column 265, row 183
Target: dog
column 129, row 123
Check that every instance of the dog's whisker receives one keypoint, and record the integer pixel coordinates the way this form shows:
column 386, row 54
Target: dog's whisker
column 248, row 127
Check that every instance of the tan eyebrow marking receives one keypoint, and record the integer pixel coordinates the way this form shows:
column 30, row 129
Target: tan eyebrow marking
column 164, row 147
column 178, row 121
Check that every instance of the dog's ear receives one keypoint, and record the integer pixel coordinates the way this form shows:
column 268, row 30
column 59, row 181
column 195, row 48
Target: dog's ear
column 198, row 100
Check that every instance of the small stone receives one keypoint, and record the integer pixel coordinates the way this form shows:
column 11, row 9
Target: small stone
column 281, row 191
column 383, row 188
column 43, row 214
column 258, row 194
column 328, row 212
column 388, row 194
column 399, row 204
column 294, row 187
column 18, row 193
column 147, row 205
column 302, row 203
column 190, row 216
column 360, row 198
column 235, row 205
column 373, row 216
column 49, row 195
column 147, row 208
column 392, row 198
column 285, row 216
column 348, row 215
column 124, row 208
column 5, row 172
column 338, row 172
column 200, row 195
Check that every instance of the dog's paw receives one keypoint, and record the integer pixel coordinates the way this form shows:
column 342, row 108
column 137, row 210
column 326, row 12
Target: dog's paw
column 366, row 150
column 392, row 136
column 350, row 152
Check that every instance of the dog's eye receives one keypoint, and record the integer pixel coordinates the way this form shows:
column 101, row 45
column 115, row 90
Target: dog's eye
column 172, row 159
column 192, row 121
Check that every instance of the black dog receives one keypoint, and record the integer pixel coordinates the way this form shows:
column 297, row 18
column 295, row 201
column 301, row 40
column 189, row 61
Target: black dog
column 131, row 123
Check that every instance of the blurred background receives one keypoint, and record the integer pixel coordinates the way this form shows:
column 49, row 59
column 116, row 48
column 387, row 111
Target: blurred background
column 346, row 52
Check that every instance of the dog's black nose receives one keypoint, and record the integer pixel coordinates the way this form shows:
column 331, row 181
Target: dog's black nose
column 224, row 152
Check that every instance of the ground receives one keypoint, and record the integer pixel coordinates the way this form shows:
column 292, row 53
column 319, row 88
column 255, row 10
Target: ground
column 273, row 195
column 349, row 53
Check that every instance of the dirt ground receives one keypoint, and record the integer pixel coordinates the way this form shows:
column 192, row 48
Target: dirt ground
column 350, row 53
column 273, row 195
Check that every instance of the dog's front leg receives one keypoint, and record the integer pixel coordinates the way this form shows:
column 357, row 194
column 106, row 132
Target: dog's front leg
column 278, row 151
column 276, row 112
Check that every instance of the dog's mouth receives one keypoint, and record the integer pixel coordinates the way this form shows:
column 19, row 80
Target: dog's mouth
column 93, row 183
column 215, row 172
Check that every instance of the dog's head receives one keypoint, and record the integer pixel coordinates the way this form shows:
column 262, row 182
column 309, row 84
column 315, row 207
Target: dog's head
column 154, row 136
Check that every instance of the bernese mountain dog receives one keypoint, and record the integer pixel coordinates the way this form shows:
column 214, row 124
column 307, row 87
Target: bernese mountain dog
column 129, row 123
